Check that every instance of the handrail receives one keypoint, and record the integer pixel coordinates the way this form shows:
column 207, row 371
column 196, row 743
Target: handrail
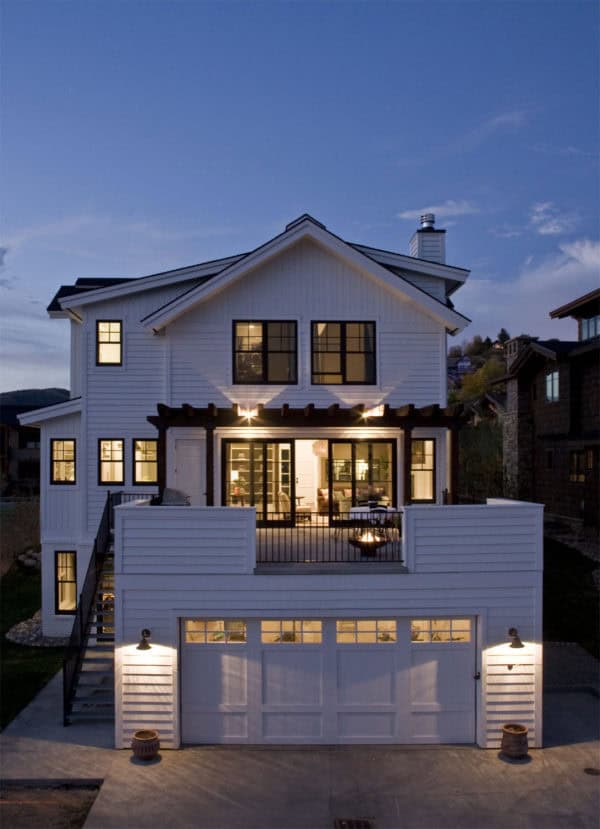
column 74, row 650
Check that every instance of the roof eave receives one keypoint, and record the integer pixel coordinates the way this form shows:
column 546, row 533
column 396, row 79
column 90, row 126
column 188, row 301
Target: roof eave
column 38, row 416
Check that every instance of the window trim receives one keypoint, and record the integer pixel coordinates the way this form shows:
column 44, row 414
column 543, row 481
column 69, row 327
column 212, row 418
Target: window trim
column 433, row 499
column 134, row 480
column 104, row 362
column 265, row 352
column 110, row 483
column 53, row 480
column 343, row 352
column 57, row 611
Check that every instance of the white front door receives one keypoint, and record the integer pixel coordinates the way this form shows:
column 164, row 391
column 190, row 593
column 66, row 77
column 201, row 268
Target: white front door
column 327, row 681
column 190, row 477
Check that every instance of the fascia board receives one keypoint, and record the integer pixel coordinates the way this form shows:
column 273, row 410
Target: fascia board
column 410, row 263
column 37, row 416
column 146, row 283
column 307, row 230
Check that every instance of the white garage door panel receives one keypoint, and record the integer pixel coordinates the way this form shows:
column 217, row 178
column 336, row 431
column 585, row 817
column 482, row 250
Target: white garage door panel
column 391, row 692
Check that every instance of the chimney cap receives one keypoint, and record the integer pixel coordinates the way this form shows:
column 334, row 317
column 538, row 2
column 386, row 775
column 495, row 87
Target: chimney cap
column 427, row 219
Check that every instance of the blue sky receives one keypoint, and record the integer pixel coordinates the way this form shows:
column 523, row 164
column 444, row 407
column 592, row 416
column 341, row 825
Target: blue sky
column 141, row 136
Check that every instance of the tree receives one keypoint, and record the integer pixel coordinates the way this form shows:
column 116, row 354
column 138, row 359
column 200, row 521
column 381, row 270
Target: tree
column 455, row 351
column 475, row 346
column 476, row 384
column 503, row 336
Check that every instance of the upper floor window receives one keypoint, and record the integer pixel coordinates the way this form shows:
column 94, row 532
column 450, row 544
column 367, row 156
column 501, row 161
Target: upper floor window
column 552, row 387
column 62, row 461
column 343, row 353
column 110, row 461
column 109, row 343
column 264, row 352
column 145, row 461
column 590, row 327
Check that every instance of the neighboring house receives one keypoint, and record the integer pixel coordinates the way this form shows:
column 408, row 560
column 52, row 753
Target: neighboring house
column 552, row 423
column 20, row 445
column 315, row 582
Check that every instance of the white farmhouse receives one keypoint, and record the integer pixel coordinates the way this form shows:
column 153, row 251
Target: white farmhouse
column 260, row 449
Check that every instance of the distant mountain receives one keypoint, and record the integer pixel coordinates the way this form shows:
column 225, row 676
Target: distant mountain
column 33, row 398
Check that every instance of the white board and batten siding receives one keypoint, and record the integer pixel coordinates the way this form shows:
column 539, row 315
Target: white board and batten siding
column 152, row 593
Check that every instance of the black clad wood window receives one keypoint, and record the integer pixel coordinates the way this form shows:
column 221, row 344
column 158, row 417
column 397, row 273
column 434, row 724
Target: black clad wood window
column 422, row 470
column 264, row 351
column 145, row 462
column 65, row 572
column 109, row 343
column 62, row 461
column 110, row 461
column 343, row 353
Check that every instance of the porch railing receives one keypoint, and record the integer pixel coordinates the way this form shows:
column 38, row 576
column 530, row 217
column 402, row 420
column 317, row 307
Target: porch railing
column 315, row 539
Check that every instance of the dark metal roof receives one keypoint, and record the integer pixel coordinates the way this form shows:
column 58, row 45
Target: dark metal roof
column 583, row 306
column 81, row 286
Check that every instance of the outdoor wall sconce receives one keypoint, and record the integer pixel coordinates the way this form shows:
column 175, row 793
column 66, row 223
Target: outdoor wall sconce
column 144, row 643
column 248, row 414
column 516, row 642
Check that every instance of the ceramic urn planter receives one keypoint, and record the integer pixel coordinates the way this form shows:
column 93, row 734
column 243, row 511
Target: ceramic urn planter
column 145, row 744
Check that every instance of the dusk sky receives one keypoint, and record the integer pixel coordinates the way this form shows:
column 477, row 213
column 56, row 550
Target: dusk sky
column 142, row 136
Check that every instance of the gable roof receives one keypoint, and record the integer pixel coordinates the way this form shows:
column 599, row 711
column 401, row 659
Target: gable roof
column 37, row 416
column 580, row 307
column 550, row 350
column 305, row 227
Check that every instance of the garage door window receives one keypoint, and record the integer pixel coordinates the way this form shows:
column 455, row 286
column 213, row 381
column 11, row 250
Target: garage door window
column 298, row 631
column 365, row 631
column 440, row 630
column 215, row 631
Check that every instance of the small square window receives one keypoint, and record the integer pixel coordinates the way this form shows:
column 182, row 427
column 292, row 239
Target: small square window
column 109, row 343
column 62, row 461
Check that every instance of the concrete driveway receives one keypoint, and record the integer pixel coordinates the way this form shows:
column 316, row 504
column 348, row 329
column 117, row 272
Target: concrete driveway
column 291, row 788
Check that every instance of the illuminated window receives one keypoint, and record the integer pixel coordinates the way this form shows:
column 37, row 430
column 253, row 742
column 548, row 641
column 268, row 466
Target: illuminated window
column 264, row 352
column 108, row 343
column 577, row 466
column 145, row 461
column 65, row 565
column 343, row 353
column 552, row 387
column 440, row 630
column 62, row 454
column 110, row 461
column 299, row 631
column 365, row 631
column 215, row 631
column 422, row 470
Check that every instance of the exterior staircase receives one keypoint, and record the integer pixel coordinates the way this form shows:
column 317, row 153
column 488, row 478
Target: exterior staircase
column 93, row 693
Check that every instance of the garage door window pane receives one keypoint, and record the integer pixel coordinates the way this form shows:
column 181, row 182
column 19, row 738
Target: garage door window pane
column 215, row 631
column 440, row 630
column 297, row 631
column 365, row 631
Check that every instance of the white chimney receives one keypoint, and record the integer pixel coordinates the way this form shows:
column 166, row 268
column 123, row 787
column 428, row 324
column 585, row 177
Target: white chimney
column 428, row 242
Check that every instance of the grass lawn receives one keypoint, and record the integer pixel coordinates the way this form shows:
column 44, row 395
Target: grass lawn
column 570, row 597
column 24, row 670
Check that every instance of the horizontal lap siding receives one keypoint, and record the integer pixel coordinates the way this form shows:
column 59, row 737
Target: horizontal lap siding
column 147, row 690
column 510, row 694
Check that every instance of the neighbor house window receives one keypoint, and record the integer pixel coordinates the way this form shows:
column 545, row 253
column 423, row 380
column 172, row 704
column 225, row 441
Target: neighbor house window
column 590, row 327
column 145, row 461
column 215, row 631
column 440, row 630
column 552, row 387
column 264, row 352
column 110, row 461
column 62, row 463
column 297, row 631
column 422, row 470
column 577, row 466
column 65, row 568
column 343, row 353
column 109, row 343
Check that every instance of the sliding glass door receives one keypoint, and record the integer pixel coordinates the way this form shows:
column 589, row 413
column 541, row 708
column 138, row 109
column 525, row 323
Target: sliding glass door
column 360, row 472
column 260, row 473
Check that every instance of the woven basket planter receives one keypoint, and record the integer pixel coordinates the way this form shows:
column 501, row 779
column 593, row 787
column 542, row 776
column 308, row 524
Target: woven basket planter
column 145, row 744
column 514, row 741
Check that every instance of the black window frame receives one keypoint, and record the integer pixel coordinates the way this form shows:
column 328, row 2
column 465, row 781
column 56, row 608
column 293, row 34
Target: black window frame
column 264, row 381
column 57, row 610
column 105, row 362
column 433, row 499
column 55, row 481
column 578, row 466
column 110, row 483
column 134, row 461
column 343, row 353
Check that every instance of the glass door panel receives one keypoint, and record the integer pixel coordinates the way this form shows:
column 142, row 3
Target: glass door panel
column 260, row 474
column 361, row 471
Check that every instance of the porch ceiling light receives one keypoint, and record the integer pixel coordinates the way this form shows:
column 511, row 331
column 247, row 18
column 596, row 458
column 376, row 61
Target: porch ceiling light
column 516, row 639
column 144, row 643
column 248, row 414
column 376, row 411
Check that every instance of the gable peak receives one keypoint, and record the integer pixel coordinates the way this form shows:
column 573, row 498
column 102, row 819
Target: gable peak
column 305, row 217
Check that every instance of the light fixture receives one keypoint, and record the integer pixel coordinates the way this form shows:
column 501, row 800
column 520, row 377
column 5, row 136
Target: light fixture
column 516, row 639
column 248, row 414
column 144, row 644
column 376, row 411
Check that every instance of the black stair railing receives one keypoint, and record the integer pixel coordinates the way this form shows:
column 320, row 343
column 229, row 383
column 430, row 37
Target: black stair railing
column 85, row 607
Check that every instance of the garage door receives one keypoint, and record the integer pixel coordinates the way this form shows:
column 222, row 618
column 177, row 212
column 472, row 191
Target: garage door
column 328, row 681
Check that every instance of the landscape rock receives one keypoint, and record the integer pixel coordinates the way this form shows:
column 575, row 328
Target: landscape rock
column 29, row 632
